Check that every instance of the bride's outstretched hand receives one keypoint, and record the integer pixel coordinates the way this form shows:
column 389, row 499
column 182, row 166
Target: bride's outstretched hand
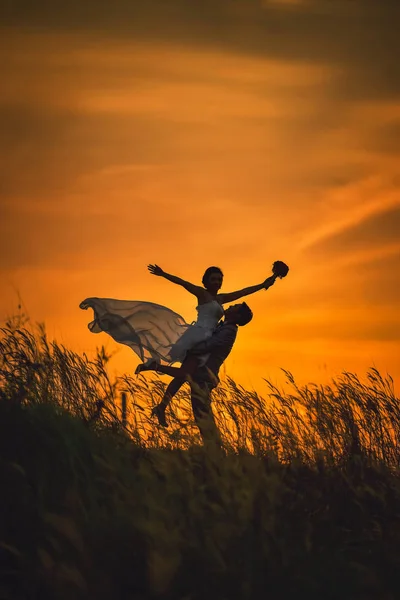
column 269, row 281
column 155, row 270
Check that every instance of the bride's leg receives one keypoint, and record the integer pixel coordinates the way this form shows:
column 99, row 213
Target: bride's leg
column 180, row 375
column 186, row 370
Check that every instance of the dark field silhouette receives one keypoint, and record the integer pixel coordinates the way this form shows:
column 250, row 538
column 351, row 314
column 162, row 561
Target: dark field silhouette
column 97, row 502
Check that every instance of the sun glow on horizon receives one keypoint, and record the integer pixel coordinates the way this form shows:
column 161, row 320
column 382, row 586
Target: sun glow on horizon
column 125, row 153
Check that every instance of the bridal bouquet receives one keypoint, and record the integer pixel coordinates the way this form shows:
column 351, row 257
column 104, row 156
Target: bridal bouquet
column 280, row 269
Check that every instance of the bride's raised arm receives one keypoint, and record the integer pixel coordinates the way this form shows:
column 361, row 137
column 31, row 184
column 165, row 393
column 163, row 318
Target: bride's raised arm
column 232, row 296
column 279, row 269
column 196, row 290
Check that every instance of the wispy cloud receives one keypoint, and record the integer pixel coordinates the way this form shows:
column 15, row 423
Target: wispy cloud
column 218, row 132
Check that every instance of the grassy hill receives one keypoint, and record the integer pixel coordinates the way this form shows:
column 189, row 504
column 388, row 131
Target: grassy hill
column 98, row 504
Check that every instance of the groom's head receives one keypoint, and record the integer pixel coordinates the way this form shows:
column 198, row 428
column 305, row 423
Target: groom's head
column 240, row 314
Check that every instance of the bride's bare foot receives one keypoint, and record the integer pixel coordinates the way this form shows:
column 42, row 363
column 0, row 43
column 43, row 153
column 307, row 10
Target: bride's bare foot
column 159, row 412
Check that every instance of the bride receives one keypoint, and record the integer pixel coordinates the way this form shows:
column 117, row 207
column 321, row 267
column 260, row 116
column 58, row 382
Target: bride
column 159, row 335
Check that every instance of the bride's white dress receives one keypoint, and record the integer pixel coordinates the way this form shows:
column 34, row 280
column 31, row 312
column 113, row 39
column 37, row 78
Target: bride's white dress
column 152, row 330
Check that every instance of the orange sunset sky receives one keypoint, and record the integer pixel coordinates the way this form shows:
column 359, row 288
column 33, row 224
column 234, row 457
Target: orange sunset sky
column 197, row 133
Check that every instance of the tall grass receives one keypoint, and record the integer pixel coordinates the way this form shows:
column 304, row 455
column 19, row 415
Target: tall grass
column 304, row 500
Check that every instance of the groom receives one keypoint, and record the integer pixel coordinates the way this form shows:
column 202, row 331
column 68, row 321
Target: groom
column 205, row 379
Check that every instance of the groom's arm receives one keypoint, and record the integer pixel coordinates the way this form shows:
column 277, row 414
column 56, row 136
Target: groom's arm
column 224, row 336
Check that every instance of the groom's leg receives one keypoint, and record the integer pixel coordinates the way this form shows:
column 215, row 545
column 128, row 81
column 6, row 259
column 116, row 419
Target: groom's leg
column 203, row 415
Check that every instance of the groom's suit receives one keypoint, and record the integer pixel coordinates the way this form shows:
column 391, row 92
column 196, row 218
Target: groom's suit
column 218, row 346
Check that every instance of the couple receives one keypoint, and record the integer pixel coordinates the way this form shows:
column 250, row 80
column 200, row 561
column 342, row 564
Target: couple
column 158, row 335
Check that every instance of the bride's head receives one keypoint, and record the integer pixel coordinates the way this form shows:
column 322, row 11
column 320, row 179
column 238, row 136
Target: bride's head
column 212, row 279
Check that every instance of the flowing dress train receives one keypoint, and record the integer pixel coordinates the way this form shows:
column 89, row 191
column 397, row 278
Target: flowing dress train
column 152, row 330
